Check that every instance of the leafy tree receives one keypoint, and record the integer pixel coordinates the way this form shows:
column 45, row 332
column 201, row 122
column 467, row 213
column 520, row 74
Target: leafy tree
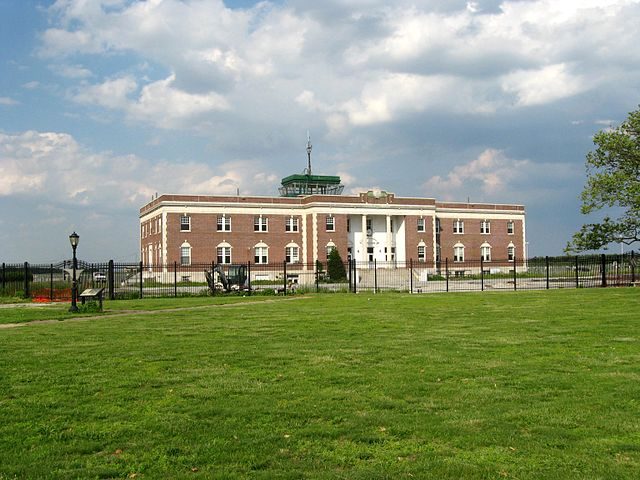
column 335, row 266
column 613, row 172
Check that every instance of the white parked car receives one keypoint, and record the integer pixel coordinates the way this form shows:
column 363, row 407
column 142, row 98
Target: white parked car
column 99, row 277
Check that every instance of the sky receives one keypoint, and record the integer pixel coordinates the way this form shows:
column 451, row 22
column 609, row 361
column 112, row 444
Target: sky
column 105, row 103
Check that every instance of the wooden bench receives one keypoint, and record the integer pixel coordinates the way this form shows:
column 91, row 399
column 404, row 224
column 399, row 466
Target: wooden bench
column 92, row 294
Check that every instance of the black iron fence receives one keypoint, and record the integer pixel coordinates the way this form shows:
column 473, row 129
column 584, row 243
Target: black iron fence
column 53, row 282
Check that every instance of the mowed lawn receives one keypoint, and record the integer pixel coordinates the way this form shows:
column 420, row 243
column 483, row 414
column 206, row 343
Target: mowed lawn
column 525, row 385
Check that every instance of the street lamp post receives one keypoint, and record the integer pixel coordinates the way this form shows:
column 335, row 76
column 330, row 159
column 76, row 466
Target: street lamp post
column 74, row 239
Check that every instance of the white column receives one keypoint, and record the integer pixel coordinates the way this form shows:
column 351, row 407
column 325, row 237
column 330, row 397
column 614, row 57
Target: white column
column 363, row 246
column 388, row 239
column 314, row 222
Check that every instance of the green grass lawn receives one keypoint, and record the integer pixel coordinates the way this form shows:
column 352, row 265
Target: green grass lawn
column 525, row 385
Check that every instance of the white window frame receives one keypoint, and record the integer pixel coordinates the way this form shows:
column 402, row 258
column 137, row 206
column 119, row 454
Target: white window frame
column 422, row 253
column 458, row 226
column 261, row 254
column 421, row 224
column 291, row 225
column 292, row 253
column 260, row 224
column 458, row 253
column 185, row 260
column 183, row 223
column 485, row 227
column 330, row 223
column 511, row 252
column 485, row 252
column 223, row 223
column 223, row 254
column 510, row 227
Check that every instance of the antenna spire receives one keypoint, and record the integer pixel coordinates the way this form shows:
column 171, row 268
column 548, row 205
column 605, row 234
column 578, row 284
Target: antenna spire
column 308, row 153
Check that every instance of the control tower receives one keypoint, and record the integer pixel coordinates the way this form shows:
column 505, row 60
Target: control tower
column 307, row 184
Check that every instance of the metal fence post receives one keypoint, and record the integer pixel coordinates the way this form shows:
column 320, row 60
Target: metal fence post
column 546, row 261
column 603, row 269
column 411, row 275
column 633, row 267
column 111, row 276
column 446, row 271
column 375, row 276
column 482, row 273
column 51, row 282
column 355, row 276
column 249, row 278
column 4, row 276
column 27, row 294
column 577, row 273
column 175, row 278
column 515, row 273
column 284, row 281
column 140, row 278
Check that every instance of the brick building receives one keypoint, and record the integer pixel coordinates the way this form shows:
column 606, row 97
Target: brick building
column 301, row 229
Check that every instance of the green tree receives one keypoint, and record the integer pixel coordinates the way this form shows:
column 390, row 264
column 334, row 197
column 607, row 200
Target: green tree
column 613, row 182
column 335, row 266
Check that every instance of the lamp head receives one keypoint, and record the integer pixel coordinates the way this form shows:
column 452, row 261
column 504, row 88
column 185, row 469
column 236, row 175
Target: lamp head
column 74, row 239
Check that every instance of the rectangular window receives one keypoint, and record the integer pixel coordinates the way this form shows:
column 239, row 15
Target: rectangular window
column 485, row 253
column 291, row 225
column 421, row 224
column 224, row 223
column 292, row 254
column 458, row 226
column 348, row 225
column 185, row 256
column 510, row 227
column 185, row 223
column 511, row 253
column 261, row 255
column 458, row 254
column 422, row 254
column 224, row 254
column 485, row 226
column 330, row 248
column 369, row 227
column 438, row 252
column 330, row 223
column 260, row 224
column 438, row 225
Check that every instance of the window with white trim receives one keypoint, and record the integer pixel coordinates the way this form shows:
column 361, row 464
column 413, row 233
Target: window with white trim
column 438, row 252
column 458, row 226
column 291, row 225
column 185, row 254
column 438, row 227
column 292, row 254
column 224, row 223
column 261, row 254
column 421, row 227
column 511, row 252
column 510, row 227
column 485, row 252
column 330, row 223
column 369, row 227
column 260, row 224
column 185, row 223
column 224, row 254
column 422, row 253
column 458, row 252
column 485, row 226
